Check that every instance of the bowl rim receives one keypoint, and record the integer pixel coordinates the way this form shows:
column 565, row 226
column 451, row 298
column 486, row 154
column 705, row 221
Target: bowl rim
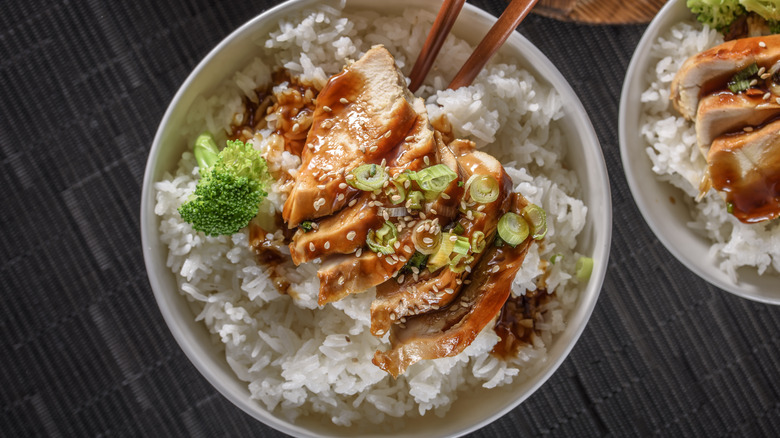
column 688, row 251
column 602, row 228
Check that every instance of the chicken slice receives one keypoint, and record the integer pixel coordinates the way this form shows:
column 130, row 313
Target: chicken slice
column 361, row 114
column 431, row 291
column 745, row 168
column 448, row 331
column 710, row 70
column 725, row 112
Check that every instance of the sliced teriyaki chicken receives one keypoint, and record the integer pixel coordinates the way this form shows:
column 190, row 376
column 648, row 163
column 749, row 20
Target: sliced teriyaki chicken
column 711, row 69
column 334, row 234
column 725, row 112
column 349, row 274
column 448, row 331
column 745, row 168
column 430, row 291
column 361, row 114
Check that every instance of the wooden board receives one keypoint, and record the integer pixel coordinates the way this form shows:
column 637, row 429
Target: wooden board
column 600, row 11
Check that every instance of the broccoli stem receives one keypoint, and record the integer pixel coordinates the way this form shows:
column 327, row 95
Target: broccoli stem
column 206, row 151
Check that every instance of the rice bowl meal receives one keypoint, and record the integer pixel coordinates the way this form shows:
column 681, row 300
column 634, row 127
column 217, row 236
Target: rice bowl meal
column 403, row 248
column 688, row 140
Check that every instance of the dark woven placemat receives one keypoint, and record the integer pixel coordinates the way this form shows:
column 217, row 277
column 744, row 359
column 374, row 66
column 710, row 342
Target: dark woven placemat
column 85, row 352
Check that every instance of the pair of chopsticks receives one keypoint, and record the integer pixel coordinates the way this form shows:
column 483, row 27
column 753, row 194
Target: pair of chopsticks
column 496, row 36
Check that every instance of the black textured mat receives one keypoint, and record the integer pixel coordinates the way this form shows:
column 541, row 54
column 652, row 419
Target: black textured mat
column 85, row 351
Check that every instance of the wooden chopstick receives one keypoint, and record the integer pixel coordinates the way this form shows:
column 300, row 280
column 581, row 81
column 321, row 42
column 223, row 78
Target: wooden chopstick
column 441, row 28
column 496, row 36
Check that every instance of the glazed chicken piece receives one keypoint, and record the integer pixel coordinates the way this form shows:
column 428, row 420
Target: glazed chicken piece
column 361, row 114
column 745, row 168
column 448, row 331
column 725, row 112
column 432, row 291
column 709, row 70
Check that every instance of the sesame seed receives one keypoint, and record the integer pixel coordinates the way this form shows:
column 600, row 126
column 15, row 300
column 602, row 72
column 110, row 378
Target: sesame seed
column 469, row 215
column 415, row 277
column 422, row 216
column 761, row 71
column 496, row 269
column 420, row 229
column 777, row 100
column 458, row 281
column 296, row 127
column 415, row 270
column 344, row 101
column 340, row 197
column 762, row 44
column 342, row 186
column 435, row 288
column 321, row 187
column 468, row 269
column 396, row 198
column 319, row 203
column 322, row 177
column 407, row 183
column 466, row 281
column 397, row 244
column 449, row 291
column 765, row 76
column 427, row 240
column 363, row 149
column 453, row 238
column 407, row 249
column 402, row 259
column 445, row 196
column 373, row 149
column 433, row 211
column 341, row 280
column 386, row 215
column 351, row 235
column 748, row 129
column 481, row 207
column 403, row 320
column 311, row 246
column 401, row 279
column 352, row 202
column 387, row 134
column 462, row 205
column 427, row 160
column 753, row 82
column 350, row 177
column 400, row 226
column 409, row 138
column 326, row 108
column 327, row 244
column 358, row 252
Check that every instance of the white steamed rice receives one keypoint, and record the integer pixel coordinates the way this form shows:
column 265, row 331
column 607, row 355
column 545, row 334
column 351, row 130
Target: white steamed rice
column 298, row 359
column 671, row 145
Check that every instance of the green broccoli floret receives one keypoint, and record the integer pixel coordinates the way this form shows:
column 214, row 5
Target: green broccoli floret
column 231, row 187
column 769, row 10
column 717, row 14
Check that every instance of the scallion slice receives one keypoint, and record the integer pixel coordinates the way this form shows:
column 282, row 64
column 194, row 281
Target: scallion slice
column 426, row 237
column 382, row 240
column 741, row 80
column 307, row 226
column 414, row 201
column 537, row 219
column 459, row 262
column 368, row 177
column 395, row 192
column 583, row 268
column 512, row 228
column 483, row 188
column 462, row 245
column 442, row 255
column 434, row 179
column 478, row 242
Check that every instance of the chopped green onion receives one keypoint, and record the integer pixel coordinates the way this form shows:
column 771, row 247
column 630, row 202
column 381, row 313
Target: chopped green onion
column 462, row 245
column 368, row 177
column 442, row 255
column 205, row 151
column 458, row 228
column 554, row 259
column 418, row 260
column 478, row 242
column 414, row 201
column 584, row 268
column 537, row 218
column 460, row 183
column 396, row 192
column 512, row 228
column 307, row 226
column 459, row 262
column 730, row 208
column 434, row 179
column 382, row 240
column 498, row 242
column 483, row 188
column 426, row 237
column 741, row 80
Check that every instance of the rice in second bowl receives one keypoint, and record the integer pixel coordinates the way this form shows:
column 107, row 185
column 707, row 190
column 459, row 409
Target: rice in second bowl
column 672, row 148
column 299, row 359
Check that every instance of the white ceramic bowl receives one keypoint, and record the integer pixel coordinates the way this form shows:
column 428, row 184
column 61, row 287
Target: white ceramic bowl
column 668, row 220
column 472, row 410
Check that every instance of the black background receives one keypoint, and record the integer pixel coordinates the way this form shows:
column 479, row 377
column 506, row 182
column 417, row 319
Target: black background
column 84, row 350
